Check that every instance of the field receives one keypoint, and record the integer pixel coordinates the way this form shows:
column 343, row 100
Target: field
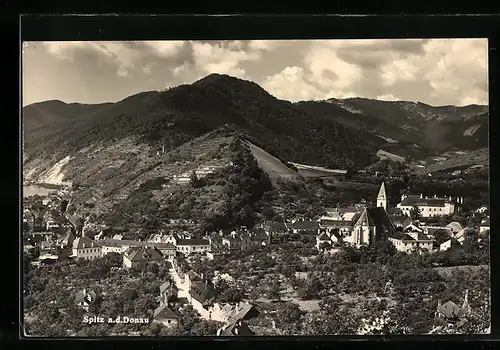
column 271, row 165
column 480, row 157
column 386, row 155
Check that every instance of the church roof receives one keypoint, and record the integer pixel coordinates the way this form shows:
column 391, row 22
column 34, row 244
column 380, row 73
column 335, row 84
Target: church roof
column 381, row 193
column 378, row 218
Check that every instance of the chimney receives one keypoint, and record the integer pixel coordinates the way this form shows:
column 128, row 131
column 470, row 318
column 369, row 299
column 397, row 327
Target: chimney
column 84, row 291
column 421, row 195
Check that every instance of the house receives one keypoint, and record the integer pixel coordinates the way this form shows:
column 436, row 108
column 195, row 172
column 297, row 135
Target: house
column 167, row 249
column 52, row 224
column 350, row 212
column 193, row 245
column 409, row 241
column 167, row 291
column 67, row 240
column 237, row 240
column 117, row 237
column 243, row 311
column 429, row 207
column 342, row 226
column 452, row 242
column 139, row 257
column 484, row 226
column 46, row 201
column 373, row 225
column 454, row 227
column 400, row 221
column 222, row 312
column 86, row 249
column 238, row 328
column 191, row 277
column 77, row 223
column 85, row 299
column 451, row 312
column 275, row 228
column 164, row 315
column 114, row 246
column 259, row 237
column 464, row 234
column 328, row 237
column 307, row 227
column 201, row 295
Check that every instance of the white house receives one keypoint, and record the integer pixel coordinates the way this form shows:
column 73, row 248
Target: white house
column 86, row 249
column 165, row 316
column 428, row 206
column 412, row 240
column 193, row 245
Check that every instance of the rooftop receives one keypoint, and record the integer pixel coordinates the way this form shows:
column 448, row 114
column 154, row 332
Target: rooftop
column 193, row 242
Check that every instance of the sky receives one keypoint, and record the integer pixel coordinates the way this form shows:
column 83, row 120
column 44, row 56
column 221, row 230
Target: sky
column 434, row 71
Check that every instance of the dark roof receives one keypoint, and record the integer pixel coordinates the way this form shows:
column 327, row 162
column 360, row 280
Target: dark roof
column 193, row 275
column 193, row 241
column 377, row 217
column 306, row 225
column 324, row 237
column 242, row 311
column 166, row 285
column 237, row 328
column 400, row 219
column 431, row 202
column 275, row 226
column 450, row 310
column 85, row 242
column 335, row 223
column 202, row 292
column 163, row 311
column 143, row 254
column 81, row 296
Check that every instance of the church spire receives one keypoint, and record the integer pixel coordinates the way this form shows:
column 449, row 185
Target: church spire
column 382, row 197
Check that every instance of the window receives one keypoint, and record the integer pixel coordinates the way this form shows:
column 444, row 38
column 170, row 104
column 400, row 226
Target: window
column 169, row 321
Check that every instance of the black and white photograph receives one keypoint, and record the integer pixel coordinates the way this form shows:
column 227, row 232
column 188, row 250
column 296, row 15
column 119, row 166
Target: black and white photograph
column 247, row 188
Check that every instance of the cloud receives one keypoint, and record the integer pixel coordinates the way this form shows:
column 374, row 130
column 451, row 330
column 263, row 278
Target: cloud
column 126, row 56
column 434, row 71
column 224, row 59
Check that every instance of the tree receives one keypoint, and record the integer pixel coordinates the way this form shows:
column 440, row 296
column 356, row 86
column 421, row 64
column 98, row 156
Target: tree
column 274, row 292
column 194, row 181
column 415, row 213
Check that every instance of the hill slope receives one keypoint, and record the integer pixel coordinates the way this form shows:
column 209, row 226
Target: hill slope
column 170, row 118
column 410, row 128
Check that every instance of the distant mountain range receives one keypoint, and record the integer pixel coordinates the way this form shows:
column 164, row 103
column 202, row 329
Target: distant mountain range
column 411, row 128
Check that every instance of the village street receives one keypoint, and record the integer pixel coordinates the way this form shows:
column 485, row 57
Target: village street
column 181, row 284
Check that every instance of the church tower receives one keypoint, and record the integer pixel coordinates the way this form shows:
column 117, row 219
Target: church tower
column 382, row 197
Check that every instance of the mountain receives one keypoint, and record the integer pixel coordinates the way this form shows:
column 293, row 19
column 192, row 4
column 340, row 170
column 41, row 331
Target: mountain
column 170, row 118
column 411, row 128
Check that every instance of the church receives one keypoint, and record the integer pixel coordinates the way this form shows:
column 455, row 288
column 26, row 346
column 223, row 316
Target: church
column 374, row 224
